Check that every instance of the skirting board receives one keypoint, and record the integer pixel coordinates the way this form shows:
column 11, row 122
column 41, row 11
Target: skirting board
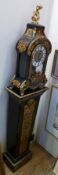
column 55, row 170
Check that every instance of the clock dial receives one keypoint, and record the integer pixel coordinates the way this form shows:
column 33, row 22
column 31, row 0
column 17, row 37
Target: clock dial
column 38, row 58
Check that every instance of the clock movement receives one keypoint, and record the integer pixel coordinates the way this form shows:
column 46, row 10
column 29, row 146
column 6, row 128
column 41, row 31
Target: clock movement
column 25, row 90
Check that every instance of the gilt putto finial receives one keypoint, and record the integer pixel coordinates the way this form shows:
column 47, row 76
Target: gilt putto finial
column 36, row 14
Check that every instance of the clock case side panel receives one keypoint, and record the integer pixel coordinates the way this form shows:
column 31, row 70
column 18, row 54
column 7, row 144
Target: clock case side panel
column 22, row 68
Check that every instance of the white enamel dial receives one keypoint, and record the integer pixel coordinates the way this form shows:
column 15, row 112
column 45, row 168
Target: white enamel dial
column 38, row 58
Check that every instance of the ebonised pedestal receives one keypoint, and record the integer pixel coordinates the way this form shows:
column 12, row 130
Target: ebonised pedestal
column 20, row 123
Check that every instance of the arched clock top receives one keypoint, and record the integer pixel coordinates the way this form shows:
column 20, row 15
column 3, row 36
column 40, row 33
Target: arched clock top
column 40, row 41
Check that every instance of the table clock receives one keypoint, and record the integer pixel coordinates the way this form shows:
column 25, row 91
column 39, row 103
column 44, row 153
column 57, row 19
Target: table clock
column 25, row 90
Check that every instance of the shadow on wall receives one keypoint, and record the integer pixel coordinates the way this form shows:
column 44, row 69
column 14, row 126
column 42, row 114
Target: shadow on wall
column 3, row 117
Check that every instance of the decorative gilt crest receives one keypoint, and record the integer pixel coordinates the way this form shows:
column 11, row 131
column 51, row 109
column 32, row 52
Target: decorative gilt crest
column 36, row 14
column 21, row 46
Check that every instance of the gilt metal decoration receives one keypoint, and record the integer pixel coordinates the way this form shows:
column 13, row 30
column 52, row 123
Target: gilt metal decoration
column 21, row 46
column 36, row 14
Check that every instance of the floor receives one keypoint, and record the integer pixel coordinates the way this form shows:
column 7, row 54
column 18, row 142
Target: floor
column 41, row 163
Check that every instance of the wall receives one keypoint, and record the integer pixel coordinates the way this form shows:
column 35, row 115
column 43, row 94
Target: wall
column 14, row 15
column 45, row 139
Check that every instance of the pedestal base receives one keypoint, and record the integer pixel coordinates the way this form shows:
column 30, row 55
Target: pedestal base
column 15, row 163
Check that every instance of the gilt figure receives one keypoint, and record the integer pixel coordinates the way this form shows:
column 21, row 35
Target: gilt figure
column 36, row 14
